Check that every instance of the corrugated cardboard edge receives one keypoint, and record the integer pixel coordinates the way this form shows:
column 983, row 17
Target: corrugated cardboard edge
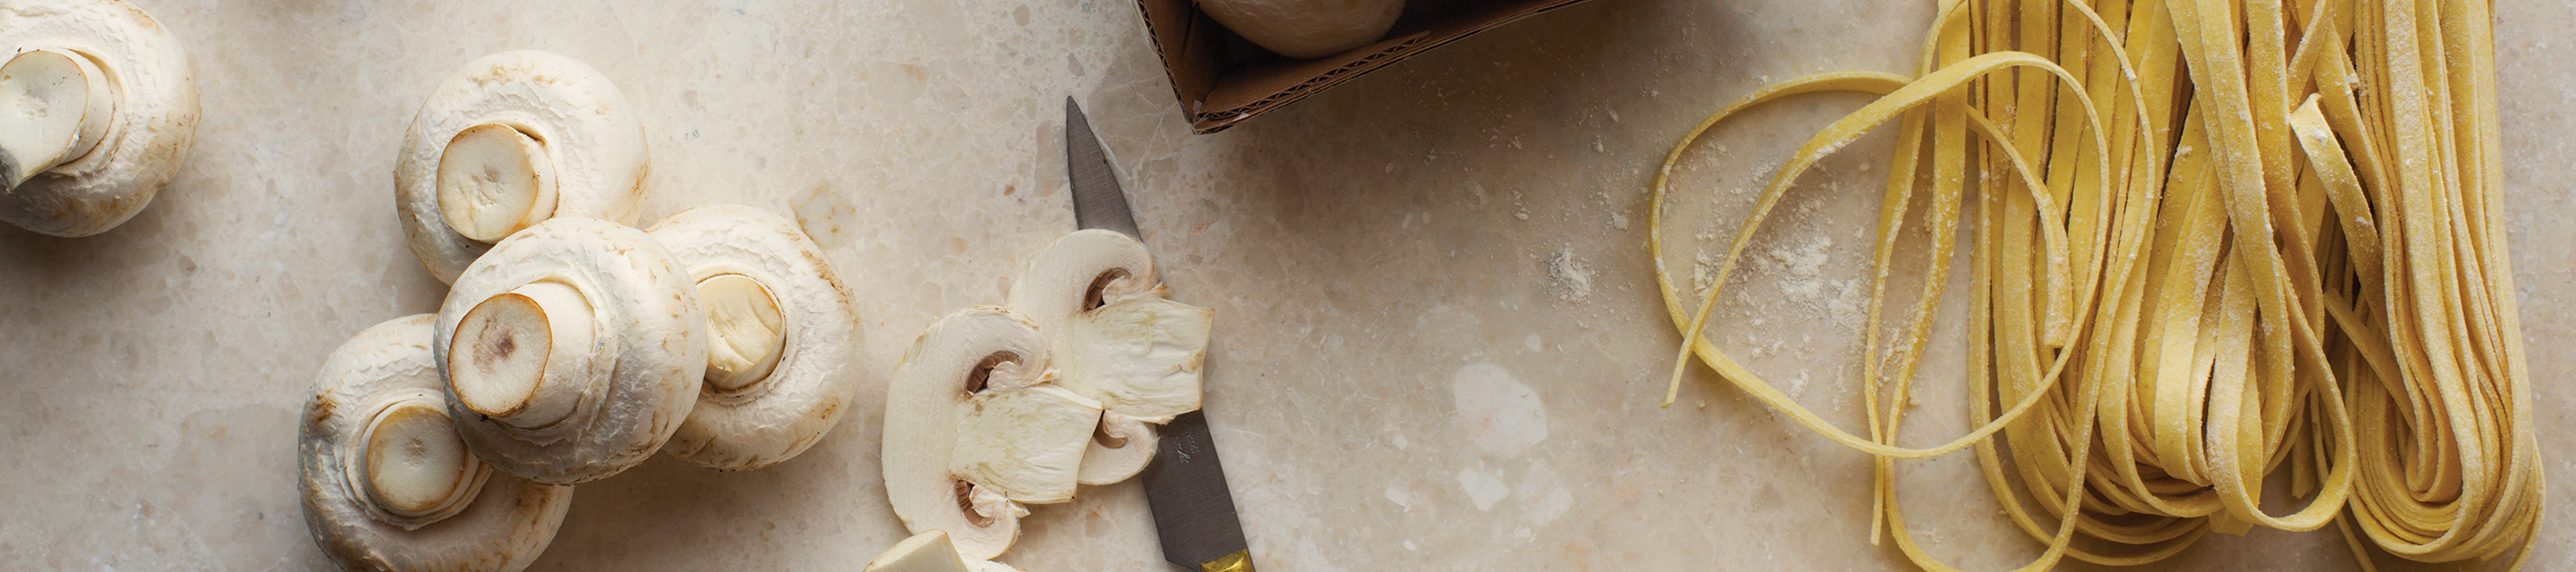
column 1187, row 40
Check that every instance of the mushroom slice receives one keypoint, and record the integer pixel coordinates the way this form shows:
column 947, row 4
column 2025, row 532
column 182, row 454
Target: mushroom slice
column 783, row 336
column 1024, row 443
column 571, row 351
column 121, row 81
column 974, row 394
column 511, row 140
column 387, row 483
column 930, row 552
column 1116, row 340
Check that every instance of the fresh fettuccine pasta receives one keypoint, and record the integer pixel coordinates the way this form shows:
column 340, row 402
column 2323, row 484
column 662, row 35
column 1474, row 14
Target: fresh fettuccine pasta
column 2214, row 240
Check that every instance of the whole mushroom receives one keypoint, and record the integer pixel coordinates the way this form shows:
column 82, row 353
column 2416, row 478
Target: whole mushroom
column 387, row 483
column 782, row 337
column 508, row 141
column 571, row 351
column 97, row 108
column 975, row 428
column 1117, row 340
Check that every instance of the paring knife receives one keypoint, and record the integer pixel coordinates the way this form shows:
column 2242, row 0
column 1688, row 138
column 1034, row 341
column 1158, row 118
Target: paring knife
column 1193, row 511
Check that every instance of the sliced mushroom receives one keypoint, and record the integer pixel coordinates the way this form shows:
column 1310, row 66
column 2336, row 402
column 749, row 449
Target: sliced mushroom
column 1094, row 293
column 783, row 334
column 930, row 551
column 1306, row 29
column 509, row 141
column 974, row 427
column 387, row 483
column 571, row 351
column 97, row 108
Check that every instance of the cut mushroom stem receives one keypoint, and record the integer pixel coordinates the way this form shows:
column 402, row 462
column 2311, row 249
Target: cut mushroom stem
column 46, row 112
column 416, row 466
column 512, row 351
column 494, row 180
column 746, row 331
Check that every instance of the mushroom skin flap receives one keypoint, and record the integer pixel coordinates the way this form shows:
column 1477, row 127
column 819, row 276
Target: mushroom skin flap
column 972, row 412
column 572, row 350
column 783, row 336
column 386, row 482
column 137, row 111
column 1117, row 340
column 512, row 139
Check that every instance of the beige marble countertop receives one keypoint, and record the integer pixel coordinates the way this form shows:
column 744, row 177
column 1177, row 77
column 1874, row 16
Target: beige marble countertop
column 1439, row 346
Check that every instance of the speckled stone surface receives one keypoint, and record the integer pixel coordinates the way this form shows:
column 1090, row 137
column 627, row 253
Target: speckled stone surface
column 1439, row 345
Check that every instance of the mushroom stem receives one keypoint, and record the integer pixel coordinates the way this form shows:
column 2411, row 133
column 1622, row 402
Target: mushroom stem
column 45, row 101
column 416, row 466
column 521, row 357
column 748, row 331
column 494, row 180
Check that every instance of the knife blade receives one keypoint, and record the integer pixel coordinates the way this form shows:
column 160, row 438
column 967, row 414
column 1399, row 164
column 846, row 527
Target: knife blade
column 1185, row 484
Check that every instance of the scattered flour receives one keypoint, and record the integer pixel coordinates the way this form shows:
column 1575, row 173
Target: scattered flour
column 1571, row 278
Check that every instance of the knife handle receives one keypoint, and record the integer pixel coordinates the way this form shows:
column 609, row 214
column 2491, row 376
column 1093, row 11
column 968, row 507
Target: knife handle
column 1239, row 561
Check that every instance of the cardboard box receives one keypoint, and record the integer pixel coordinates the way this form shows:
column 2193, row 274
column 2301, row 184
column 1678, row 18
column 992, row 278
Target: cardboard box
column 1223, row 79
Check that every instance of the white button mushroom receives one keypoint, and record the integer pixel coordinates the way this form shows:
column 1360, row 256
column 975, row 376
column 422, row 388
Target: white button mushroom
column 782, row 337
column 97, row 107
column 509, row 141
column 1306, row 29
column 571, row 351
column 974, row 427
column 1115, row 338
column 388, row 484
column 930, row 551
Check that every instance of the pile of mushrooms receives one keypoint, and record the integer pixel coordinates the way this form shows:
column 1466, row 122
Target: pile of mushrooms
column 997, row 408
column 570, row 347
column 97, row 108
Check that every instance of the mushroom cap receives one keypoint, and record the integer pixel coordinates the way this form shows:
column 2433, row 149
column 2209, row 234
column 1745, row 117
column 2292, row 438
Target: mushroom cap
column 924, row 401
column 505, row 525
column 817, row 372
column 649, row 349
column 1306, row 29
column 150, row 132
column 582, row 119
